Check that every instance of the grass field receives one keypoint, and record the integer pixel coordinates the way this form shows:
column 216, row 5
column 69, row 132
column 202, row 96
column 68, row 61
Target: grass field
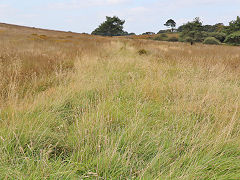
column 84, row 107
column 169, row 35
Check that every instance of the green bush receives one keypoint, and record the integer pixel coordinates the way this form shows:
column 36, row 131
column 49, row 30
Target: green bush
column 188, row 39
column 218, row 35
column 181, row 39
column 196, row 36
column 200, row 36
column 173, row 39
column 233, row 38
column 211, row 40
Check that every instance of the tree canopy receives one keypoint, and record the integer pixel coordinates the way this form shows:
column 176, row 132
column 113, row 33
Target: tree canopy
column 234, row 26
column 170, row 23
column 192, row 30
column 113, row 26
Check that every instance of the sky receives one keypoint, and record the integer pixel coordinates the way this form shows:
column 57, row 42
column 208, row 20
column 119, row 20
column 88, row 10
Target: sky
column 140, row 15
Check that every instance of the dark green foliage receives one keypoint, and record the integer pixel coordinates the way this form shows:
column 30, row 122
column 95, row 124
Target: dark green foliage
column 170, row 23
column 188, row 39
column 113, row 26
column 148, row 33
column 131, row 34
column 211, row 40
column 213, row 28
column 218, row 35
column 195, row 36
column 125, row 33
column 198, row 32
column 193, row 30
column 199, row 36
column 181, row 28
column 195, row 25
column 233, row 38
column 234, row 26
column 209, row 28
column 164, row 31
column 219, row 27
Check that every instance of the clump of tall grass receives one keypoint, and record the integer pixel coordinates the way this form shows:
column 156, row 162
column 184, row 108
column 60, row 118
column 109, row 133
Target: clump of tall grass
column 142, row 52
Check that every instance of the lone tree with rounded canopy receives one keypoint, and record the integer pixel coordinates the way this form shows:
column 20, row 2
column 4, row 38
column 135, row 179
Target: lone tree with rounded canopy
column 113, row 26
column 170, row 23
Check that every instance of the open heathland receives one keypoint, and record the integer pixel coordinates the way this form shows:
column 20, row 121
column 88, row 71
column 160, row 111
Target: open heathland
column 76, row 106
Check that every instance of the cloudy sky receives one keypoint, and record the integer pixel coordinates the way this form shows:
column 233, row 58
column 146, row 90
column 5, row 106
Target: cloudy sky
column 140, row 15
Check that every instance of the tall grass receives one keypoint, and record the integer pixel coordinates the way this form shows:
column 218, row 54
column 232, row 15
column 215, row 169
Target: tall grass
column 170, row 113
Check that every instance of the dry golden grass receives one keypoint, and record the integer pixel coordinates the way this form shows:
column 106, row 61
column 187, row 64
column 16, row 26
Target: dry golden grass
column 169, row 35
column 86, row 107
column 32, row 63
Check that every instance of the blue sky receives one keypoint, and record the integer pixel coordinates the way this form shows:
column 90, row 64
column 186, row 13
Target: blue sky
column 140, row 15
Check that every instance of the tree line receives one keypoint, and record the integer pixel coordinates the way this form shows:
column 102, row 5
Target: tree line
column 192, row 31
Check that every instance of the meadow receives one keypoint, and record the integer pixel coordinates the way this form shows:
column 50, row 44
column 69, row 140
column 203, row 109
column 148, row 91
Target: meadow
column 76, row 106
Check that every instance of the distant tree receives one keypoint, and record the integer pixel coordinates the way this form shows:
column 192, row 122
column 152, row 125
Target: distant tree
column 233, row 38
column 113, row 26
column 181, row 28
column 195, row 25
column 170, row 23
column 125, row 33
column 234, row 26
column 164, row 31
column 193, row 30
column 209, row 28
column 219, row 27
column 148, row 33
column 131, row 34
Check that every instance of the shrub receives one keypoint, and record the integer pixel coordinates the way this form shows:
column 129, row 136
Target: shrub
column 196, row 36
column 233, row 38
column 218, row 35
column 200, row 36
column 211, row 40
column 181, row 39
column 203, row 35
column 164, row 31
column 173, row 39
column 188, row 39
column 142, row 52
